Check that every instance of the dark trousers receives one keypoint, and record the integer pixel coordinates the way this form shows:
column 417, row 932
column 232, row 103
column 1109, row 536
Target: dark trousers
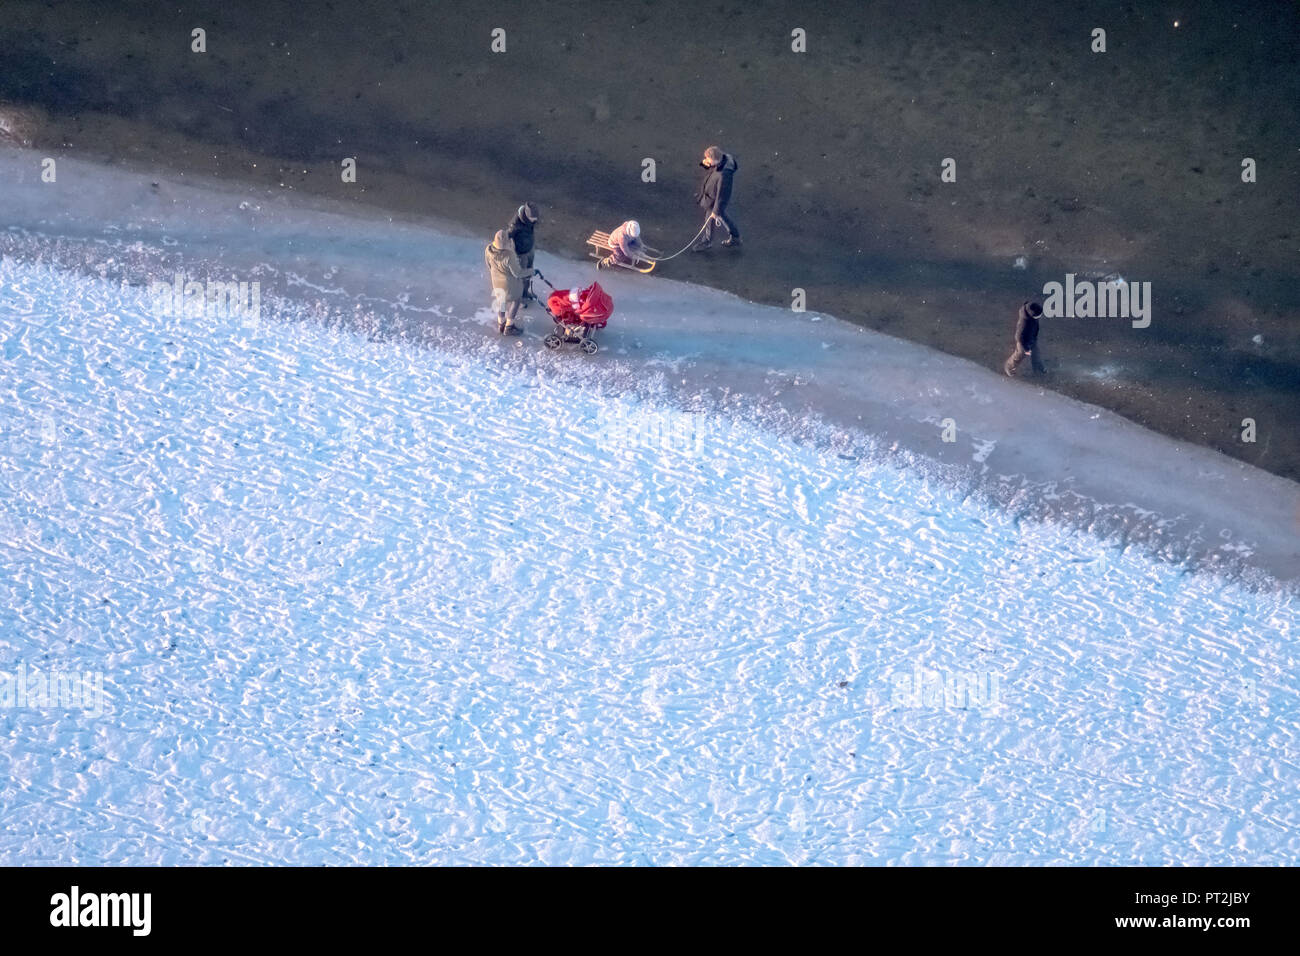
column 728, row 224
column 526, row 262
column 1018, row 355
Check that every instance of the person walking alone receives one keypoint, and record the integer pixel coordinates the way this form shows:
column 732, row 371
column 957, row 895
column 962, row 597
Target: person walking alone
column 1026, row 342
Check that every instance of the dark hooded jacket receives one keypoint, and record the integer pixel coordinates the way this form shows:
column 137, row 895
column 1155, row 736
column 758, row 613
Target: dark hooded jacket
column 715, row 192
column 520, row 232
column 1026, row 329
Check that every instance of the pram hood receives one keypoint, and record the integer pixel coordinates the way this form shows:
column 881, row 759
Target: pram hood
column 590, row 305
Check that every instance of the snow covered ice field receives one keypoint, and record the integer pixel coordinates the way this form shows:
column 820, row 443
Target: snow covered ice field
column 358, row 601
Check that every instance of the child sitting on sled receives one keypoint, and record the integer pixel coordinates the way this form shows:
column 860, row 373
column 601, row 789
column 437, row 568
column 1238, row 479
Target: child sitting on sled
column 626, row 247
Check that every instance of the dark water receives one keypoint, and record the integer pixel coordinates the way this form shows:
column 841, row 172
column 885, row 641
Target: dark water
column 1125, row 162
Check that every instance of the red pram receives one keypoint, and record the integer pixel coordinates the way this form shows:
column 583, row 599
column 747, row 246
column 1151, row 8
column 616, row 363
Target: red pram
column 577, row 314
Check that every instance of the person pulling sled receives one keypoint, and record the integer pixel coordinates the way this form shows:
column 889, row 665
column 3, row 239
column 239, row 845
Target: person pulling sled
column 714, row 194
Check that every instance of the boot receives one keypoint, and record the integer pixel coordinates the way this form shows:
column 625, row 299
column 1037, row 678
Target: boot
column 512, row 330
column 733, row 241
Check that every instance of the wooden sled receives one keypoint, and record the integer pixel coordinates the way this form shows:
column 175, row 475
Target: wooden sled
column 601, row 249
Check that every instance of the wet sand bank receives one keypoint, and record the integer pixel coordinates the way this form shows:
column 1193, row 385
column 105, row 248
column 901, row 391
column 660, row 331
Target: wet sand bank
column 1120, row 163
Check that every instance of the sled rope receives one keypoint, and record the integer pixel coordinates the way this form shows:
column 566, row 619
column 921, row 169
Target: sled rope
column 685, row 247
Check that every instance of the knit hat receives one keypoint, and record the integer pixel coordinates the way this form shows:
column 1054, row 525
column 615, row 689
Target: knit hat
column 501, row 240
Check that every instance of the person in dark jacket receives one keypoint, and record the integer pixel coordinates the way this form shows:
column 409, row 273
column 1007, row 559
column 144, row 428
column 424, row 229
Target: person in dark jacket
column 520, row 232
column 1026, row 340
column 714, row 194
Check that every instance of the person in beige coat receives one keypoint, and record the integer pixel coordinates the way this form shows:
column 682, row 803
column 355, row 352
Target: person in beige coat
column 507, row 281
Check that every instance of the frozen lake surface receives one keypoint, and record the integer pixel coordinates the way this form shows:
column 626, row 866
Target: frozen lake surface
column 356, row 600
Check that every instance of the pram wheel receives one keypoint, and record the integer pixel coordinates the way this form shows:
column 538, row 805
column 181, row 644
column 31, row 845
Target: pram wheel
column 552, row 341
column 589, row 346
